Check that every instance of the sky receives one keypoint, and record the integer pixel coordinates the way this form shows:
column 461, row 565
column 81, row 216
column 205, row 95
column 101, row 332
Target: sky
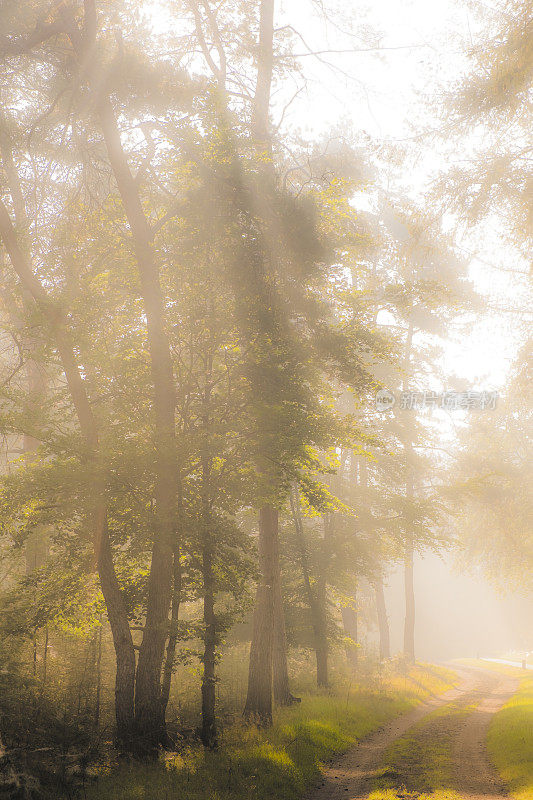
column 402, row 56
column 389, row 95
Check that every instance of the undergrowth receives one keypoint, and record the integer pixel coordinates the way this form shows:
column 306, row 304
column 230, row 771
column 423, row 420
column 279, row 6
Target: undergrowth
column 279, row 763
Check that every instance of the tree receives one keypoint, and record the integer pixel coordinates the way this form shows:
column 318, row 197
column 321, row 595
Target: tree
column 490, row 497
column 491, row 108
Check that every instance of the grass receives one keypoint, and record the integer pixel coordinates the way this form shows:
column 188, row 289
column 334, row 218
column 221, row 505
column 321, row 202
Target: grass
column 510, row 741
column 277, row 764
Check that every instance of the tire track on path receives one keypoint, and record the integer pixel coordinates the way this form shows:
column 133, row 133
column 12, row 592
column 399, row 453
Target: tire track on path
column 351, row 777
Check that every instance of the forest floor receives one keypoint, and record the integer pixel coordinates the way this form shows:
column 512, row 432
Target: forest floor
column 418, row 733
column 281, row 762
column 447, row 748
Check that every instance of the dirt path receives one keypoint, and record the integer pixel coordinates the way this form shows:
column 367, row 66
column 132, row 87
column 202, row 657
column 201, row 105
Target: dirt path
column 477, row 697
column 474, row 776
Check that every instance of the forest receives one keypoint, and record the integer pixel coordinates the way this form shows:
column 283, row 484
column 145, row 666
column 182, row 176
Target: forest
column 265, row 399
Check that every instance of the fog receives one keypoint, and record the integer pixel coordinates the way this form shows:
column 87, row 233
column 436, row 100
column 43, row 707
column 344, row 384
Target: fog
column 265, row 370
column 459, row 614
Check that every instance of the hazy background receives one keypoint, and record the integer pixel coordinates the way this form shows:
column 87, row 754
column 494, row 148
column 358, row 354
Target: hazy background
column 459, row 614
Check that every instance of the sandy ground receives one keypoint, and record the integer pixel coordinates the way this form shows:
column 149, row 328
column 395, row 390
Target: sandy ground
column 478, row 695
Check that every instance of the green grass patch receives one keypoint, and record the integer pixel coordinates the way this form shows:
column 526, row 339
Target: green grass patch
column 279, row 763
column 510, row 741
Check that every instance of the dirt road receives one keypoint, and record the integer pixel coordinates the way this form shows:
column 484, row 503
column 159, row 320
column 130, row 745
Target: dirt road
column 459, row 733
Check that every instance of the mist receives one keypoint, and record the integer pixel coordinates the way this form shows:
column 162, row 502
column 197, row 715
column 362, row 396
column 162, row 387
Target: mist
column 266, row 448
column 460, row 615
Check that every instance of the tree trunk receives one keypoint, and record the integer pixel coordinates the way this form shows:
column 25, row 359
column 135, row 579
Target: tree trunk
column 350, row 625
column 120, row 630
column 409, row 625
column 282, row 692
column 267, row 635
column 383, row 622
column 321, row 610
column 317, row 610
column 322, row 644
column 148, row 709
column 209, row 728
column 263, row 86
column 98, row 666
column 45, row 659
column 259, row 698
column 148, row 683
column 173, row 632
column 409, row 628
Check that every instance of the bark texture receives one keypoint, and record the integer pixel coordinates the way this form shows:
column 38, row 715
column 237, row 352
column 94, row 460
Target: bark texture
column 209, row 726
column 282, row 690
column 409, row 627
column 315, row 598
column 383, row 622
column 350, row 625
column 259, row 698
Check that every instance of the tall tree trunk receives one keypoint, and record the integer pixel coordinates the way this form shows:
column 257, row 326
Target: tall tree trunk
column 409, row 627
column 259, row 698
column 350, row 625
column 148, row 716
column 173, row 632
column 98, row 667
column 148, row 708
column 120, row 630
column 282, row 690
column 263, row 86
column 317, row 611
column 383, row 622
column 268, row 647
column 322, row 644
column 322, row 639
column 209, row 727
